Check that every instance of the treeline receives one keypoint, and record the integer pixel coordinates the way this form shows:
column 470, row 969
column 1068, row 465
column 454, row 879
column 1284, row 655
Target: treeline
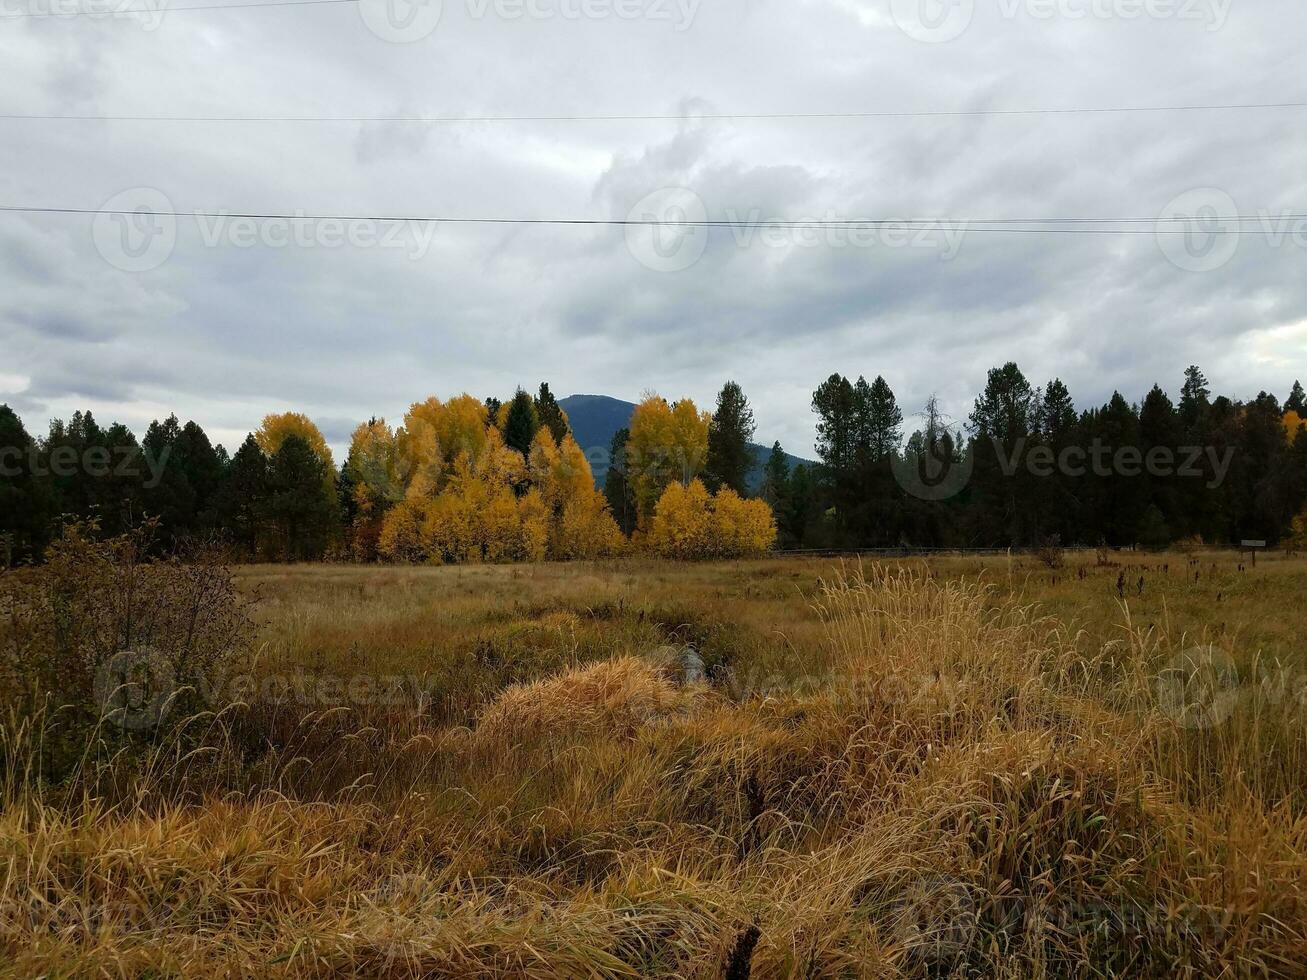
column 463, row 480
column 490, row 480
column 1028, row 469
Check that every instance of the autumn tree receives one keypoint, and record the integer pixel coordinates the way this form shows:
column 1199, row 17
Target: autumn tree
column 668, row 443
column 276, row 428
column 690, row 523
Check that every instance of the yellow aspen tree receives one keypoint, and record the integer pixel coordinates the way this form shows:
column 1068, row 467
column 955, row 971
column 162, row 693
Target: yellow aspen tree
column 1292, row 422
column 681, row 526
column 278, row 427
column 421, row 461
column 375, row 466
column 534, row 521
column 499, row 465
column 542, row 464
column 462, row 427
column 401, row 533
column 500, row 526
column 668, row 443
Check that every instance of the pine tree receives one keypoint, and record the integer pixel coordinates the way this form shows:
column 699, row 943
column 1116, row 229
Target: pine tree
column 303, row 515
column 550, row 414
column 835, row 403
column 241, row 504
column 775, row 477
column 884, row 421
column 1194, row 398
column 521, row 424
column 1297, row 401
column 1004, row 490
column 26, row 500
column 617, row 488
column 732, row 426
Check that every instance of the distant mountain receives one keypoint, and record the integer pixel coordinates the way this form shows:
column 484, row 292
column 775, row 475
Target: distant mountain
column 595, row 419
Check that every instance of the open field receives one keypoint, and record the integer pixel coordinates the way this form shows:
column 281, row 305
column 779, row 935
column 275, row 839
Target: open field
column 784, row 767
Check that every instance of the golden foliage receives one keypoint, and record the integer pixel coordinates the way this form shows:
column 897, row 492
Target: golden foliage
column 376, row 466
column 488, row 504
column 1292, row 423
column 668, row 443
column 277, row 428
column 688, row 523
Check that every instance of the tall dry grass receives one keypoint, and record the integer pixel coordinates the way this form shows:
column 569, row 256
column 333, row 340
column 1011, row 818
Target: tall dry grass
column 900, row 774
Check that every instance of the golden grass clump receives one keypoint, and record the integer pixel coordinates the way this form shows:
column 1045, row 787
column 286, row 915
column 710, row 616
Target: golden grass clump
column 891, row 771
column 613, row 698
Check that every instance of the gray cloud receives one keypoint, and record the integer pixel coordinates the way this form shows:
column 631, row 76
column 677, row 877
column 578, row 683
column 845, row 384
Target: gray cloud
column 225, row 332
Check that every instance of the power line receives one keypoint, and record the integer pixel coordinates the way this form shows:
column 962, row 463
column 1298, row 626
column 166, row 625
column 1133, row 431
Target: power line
column 654, row 117
column 162, row 9
column 1000, row 225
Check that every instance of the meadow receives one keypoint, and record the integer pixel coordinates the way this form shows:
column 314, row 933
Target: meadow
column 955, row 766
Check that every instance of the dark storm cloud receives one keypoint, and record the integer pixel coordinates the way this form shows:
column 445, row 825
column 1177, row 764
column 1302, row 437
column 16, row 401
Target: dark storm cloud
column 229, row 327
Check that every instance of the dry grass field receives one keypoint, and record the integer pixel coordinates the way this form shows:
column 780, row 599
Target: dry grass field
column 959, row 766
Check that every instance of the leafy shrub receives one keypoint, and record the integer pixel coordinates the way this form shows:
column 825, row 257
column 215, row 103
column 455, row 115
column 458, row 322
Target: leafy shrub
column 104, row 639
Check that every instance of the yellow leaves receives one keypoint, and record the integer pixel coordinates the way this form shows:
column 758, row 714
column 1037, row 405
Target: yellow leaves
column 1292, row 422
column 533, row 516
column 586, row 530
column 668, row 443
column 376, row 467
column 277, row 428
column 473, row 511
column 543, row 464
column 688, row 523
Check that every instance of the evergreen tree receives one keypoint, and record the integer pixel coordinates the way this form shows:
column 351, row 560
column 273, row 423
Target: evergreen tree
column 1297, row 401
column 732, row 426
column 64, row 456
column 1056, row 495
column 804, row 505
column 835, row 403
column 302, row 515
column 1003, row 487
column 521, row 424
column 775, row 476
column 26, row 500
column 168, row 494
column 1194, row 399
column 493, row 405
column 241, row 504
column 884, row 425
column 775, row 490
column 1160, row 431
column 617, row 486
column 550, row 414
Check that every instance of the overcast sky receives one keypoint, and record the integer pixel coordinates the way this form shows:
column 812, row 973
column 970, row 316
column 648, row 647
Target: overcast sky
column 224, row 325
